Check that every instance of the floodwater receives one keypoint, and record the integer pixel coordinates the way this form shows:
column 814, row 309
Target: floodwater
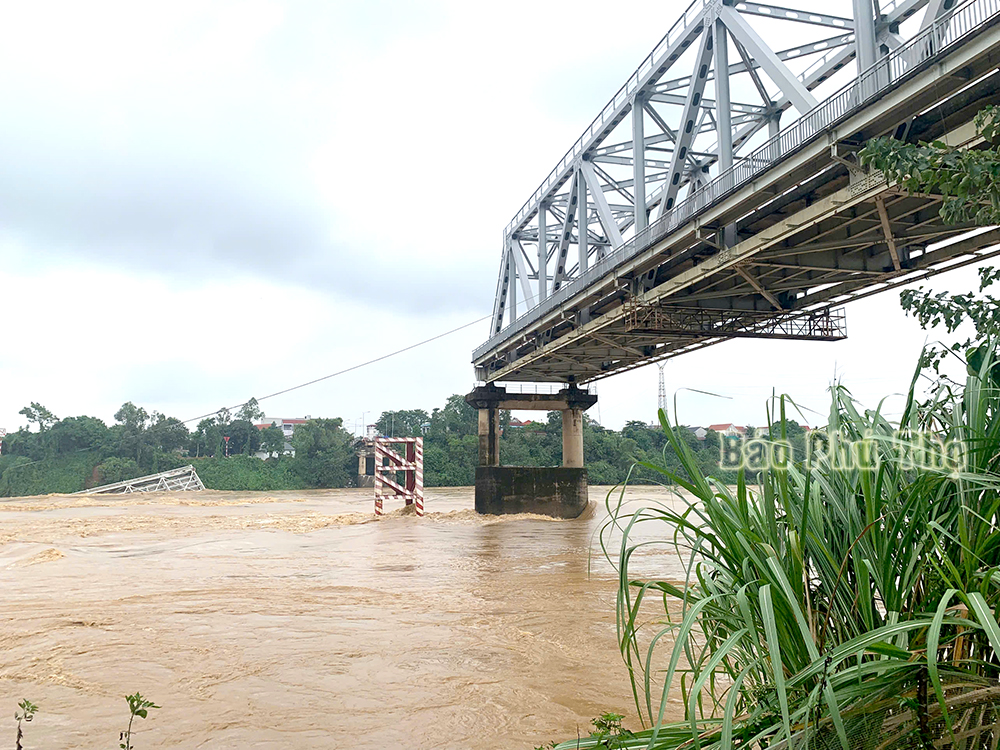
column 299, row 620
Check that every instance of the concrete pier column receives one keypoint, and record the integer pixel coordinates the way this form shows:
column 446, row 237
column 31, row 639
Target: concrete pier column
column 558, row 491
column 489, row 436
column 572, row 437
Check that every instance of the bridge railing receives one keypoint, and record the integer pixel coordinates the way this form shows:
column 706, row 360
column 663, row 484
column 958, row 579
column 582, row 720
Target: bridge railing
column 964, row 21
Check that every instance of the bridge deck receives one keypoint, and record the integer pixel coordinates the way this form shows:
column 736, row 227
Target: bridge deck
column 811, row 229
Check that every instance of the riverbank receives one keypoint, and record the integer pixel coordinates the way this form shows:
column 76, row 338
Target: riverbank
column 298, row 619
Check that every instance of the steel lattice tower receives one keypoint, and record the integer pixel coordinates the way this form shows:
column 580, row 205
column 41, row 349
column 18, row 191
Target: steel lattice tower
column 661, row 396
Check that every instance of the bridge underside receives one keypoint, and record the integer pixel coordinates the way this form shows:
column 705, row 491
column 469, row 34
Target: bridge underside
column 807, row 236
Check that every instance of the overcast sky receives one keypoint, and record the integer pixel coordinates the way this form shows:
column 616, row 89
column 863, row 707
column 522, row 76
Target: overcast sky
column 206, row 201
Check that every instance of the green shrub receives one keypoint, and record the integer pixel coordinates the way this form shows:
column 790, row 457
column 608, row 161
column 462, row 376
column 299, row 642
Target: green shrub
column 835, row 593
column 247, row 473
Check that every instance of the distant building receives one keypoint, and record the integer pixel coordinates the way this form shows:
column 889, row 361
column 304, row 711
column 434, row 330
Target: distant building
column 514, row 422
column 699, row 432
column 287, row 426
column 729, row 430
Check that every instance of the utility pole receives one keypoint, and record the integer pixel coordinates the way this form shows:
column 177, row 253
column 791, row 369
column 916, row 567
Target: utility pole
column 661, row 396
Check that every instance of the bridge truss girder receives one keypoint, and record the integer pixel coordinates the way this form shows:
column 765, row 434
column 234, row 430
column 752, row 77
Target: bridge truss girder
column 808, row 237
column 831, row 235
column 676, row 125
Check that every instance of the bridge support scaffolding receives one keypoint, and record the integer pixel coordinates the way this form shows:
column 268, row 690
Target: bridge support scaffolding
column 559, row 491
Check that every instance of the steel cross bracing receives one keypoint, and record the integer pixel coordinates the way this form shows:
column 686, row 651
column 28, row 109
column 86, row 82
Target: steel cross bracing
column 720, row 209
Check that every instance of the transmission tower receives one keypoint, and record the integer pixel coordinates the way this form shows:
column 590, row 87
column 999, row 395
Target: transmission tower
column 661, row 396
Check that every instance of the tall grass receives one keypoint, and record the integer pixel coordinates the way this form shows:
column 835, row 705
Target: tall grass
column 830, row 597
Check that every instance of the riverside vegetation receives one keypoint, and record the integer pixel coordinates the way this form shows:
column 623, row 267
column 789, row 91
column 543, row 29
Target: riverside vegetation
column 836, row 603
column 67, row 455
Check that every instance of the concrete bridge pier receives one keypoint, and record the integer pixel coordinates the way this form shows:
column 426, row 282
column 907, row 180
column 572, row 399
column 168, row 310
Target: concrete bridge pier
column 572, row 438
column 489, row 436
column 559, row 491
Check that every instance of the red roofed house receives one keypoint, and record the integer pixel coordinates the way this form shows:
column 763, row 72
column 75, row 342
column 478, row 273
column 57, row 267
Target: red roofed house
column 287, row 426
column 729, row 430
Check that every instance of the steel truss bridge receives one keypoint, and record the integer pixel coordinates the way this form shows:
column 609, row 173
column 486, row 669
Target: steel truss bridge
column 718, row 194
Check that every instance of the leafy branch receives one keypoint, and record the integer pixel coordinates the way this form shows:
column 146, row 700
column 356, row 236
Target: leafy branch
column 137, row 706
column 25, row 714
column 967, row 178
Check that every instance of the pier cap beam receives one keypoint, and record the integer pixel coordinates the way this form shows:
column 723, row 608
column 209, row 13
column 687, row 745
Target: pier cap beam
column 491, row 396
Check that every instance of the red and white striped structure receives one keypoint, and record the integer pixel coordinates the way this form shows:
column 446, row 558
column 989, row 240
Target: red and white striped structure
column 389, row 464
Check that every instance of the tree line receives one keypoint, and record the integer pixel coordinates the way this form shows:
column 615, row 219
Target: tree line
column 231, row 452
column 75, row 453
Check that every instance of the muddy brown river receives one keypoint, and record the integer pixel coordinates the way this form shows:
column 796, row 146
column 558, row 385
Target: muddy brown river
column 299, row 620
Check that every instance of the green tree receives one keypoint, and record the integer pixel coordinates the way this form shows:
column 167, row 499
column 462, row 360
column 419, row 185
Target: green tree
column 132, row 422
column 243, row 437
column 405, row 423
column 38, row 414
column 78, row 434
column 456, row 418
column 272, row 440
column 250, row 412
column 968, row 179
column 167, row 434
column 24, row 443
column 205, row 439
column 324, row 453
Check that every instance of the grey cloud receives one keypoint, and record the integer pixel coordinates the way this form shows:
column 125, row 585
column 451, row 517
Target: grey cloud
column 176, row 218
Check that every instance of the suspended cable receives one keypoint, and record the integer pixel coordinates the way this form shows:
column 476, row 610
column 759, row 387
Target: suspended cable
column 349, row 369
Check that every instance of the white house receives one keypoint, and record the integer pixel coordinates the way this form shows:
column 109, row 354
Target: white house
column 287, row 426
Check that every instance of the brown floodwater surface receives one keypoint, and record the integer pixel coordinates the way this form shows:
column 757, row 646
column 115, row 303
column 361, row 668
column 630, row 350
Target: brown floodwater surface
column 299, row 620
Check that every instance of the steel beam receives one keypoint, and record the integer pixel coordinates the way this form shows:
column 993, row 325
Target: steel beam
column 677, row 99
column 689, row 118
column 607, row 219
column 512, row 294
column 501, row 299
column 864, row 33
column 583, row 233
column 565, row 234
column 887, row 231
column 801, row 98
column 791, row 14
column 666, row 53
column 935, row 9
column 517, row 251
column 639, row 163
column 543, row 251
column 723, row 112
column 757, row 286
column 792, row 53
